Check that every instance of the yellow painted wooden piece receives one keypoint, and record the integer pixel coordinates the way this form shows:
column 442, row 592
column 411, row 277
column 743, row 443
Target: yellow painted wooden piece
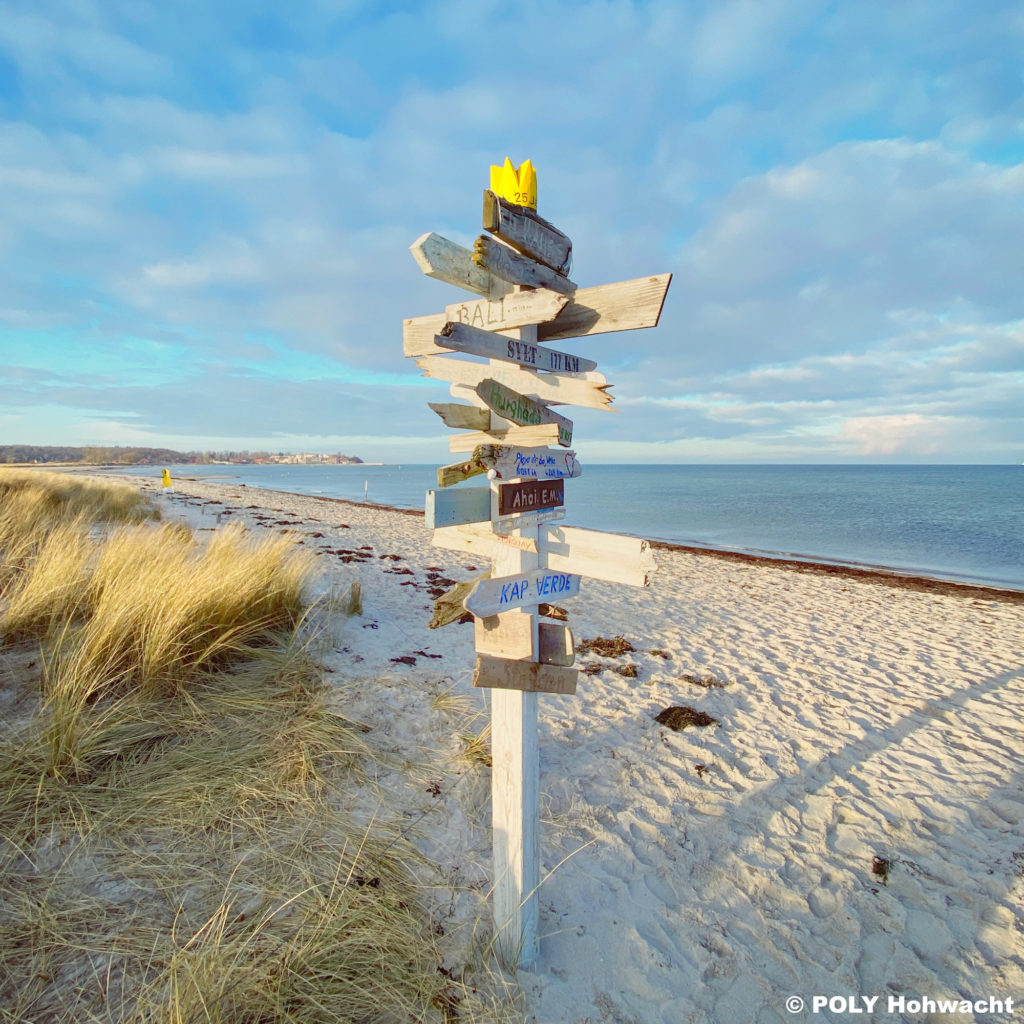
column 516, row 184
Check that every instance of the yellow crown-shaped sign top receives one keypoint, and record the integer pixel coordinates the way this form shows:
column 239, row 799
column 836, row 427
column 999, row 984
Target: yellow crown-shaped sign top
column 517, row 185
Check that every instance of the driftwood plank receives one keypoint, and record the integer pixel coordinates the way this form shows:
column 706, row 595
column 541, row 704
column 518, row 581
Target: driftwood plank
column 448, row 607
column 456, row 472
column 461, row 337
column 501, row 261
column 505, row 636
column 527, row 520
column 511, row 405
column 612, row 557
column 623, row 306
column 526, row 437
column 479, row 538
column 509, row 462
column 530, row 463
column 530, row 676
column 527, row 232
column 447, row 261
column 517, row 309
column 450, row 508
column 462, row 417
column 588, row 389
column 522, row 590
column 505, row 313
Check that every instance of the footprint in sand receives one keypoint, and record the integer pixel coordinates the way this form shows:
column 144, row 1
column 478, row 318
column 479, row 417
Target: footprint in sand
column 823, row 902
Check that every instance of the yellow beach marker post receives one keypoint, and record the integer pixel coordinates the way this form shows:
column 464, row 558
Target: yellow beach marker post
column 168, row 486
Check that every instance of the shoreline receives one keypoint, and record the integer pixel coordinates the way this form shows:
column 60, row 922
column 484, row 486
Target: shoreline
column 902, row 579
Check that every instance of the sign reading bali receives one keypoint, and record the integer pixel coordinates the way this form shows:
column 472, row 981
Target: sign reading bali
column 518, row 272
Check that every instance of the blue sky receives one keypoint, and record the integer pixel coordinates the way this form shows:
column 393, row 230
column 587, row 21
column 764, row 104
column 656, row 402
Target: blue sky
column 207, row 209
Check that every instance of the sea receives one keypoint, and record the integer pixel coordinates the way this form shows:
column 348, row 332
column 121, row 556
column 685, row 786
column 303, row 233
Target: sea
column 962, row 523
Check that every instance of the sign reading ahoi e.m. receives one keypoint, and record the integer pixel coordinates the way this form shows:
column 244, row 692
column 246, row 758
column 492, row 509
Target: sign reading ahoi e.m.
column 530, row 496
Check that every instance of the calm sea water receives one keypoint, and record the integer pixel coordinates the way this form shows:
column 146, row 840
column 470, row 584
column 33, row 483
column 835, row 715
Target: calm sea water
column 962, row 522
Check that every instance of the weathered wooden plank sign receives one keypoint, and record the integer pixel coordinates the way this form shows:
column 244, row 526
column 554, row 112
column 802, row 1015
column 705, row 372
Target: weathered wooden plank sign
column 447, row 261
column 601, row 556
column 530, row 496
column 536, row 435
column 462, row 417
column 623, row 306
column 480, row 539
column 461, row 337
column 517, row 309
column 586, row 389
column 503, row 313
column 527, row 232
column 503, row 262
column 511, row 405
column 450, row 508
column 528, row 676
column 508, row 462
column 527, row 520
column 525, row 590
column 505, row 636
column 532, row 463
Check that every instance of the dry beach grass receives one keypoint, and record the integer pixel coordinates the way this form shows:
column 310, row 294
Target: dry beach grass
column 171, row 845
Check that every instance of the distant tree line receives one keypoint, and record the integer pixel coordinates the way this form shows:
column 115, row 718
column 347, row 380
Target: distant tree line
column 93, row 456
column 117, row 456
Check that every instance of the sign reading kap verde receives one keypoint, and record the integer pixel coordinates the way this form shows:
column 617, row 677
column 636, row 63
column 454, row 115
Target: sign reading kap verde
column 491, row 597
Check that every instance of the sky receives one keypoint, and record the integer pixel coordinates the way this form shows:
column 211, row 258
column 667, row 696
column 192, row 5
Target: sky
column 206, row 211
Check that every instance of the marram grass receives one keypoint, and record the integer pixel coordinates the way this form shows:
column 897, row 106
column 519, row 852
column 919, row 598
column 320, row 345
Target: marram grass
column 171, row 851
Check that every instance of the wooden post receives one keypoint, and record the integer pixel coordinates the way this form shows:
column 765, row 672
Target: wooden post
column 515, row 779
column 524, row 294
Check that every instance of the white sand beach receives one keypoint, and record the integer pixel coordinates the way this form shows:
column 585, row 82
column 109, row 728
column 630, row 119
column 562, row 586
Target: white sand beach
column 852, row 826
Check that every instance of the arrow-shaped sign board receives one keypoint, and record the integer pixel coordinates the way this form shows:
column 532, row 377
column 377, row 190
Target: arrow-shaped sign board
column 462, row 337
column 510, row 462
column 504, row 313
column 623, row 306
column 462, row 417
column 517, row 309
column 531, row 463
column 587, row 389
column 501, row 261
column 524, row 230
column 511, row 405
column 601, row 556
column 590, row 553
column 525, row 590
column 447, row 261
column 531, row 436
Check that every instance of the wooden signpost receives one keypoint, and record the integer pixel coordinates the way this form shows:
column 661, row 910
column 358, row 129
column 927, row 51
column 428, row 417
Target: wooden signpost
column 518, row 271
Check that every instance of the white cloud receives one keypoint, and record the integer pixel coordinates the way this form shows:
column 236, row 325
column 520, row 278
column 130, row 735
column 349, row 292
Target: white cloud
column 909, row 434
